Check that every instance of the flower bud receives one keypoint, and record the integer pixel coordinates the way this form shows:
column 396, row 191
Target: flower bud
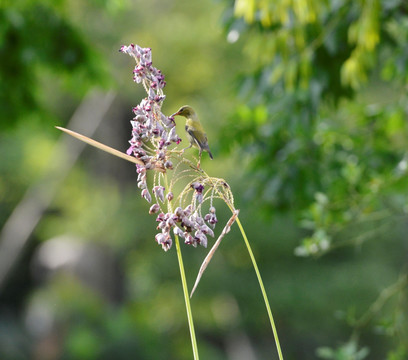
column 168, row 165
column 170, row 222
column 197, row 186
column 187, row 223
column 154, row 209
column 177, row 231
column 129, row 151
column 146, row 195
column 189, row 240
column 188, row 210
column 159, row 191
column 179, row 212
column 160, row 217
column 200, row 238
column 164, row 239
column 206, row 230
column 161, row 155
column 140, row 169
column 141, row 185
column 152, row 94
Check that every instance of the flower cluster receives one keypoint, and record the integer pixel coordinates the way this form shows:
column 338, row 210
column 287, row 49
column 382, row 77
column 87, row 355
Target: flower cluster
column 149, row 124
column 188, row 222
column 144, row 69
column 152, row 135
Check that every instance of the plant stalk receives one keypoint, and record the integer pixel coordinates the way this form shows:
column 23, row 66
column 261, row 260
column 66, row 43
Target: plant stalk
column 258, row 275
column 186, row 299
column 184, row 284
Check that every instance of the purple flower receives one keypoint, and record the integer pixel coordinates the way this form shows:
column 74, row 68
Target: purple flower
column 151, row 128
column 146, row 195
column 211, row 218
column 171, row 221
column 179, row 212
column 142, row 177
column 189, row 239
column 178, row 232
column 152, row 94
column 173, row 136
column 168, row 121
column 200, row 238
column 188, row 210
column 159, row 191
column 164, row 239
column 140, row 169
column 162, row 143
column 160, row 217
column 206, row 230
column 163, row 226
column 197, row 220
column 142, row 185
column 159, row 98
column 187, row 223
column 197, row 187
column 130, row 149
column 154, row 209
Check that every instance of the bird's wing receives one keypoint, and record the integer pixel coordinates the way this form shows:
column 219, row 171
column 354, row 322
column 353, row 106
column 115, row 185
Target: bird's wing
column 199, row 137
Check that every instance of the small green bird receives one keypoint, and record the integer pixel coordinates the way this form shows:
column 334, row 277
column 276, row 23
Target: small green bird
column 194, row 130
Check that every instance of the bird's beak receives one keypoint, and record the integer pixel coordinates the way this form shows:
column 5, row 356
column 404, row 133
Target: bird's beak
column 176, row 113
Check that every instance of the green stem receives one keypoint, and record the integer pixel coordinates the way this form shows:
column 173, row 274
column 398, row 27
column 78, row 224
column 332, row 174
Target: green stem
column 184, row 284
column 268, row 308
column 186, row 299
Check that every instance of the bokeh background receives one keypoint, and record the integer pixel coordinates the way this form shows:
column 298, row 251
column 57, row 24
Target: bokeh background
column 305, row 105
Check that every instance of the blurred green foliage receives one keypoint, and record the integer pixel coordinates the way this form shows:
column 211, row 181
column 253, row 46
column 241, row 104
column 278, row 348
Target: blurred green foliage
column 40, row 43
column 325, row 128
column 305, row 106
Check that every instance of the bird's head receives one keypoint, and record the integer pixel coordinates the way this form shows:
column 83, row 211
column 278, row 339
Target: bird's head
column 186, row 111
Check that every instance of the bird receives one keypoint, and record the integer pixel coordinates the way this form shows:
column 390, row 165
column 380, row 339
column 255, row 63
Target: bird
column 194, row 131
